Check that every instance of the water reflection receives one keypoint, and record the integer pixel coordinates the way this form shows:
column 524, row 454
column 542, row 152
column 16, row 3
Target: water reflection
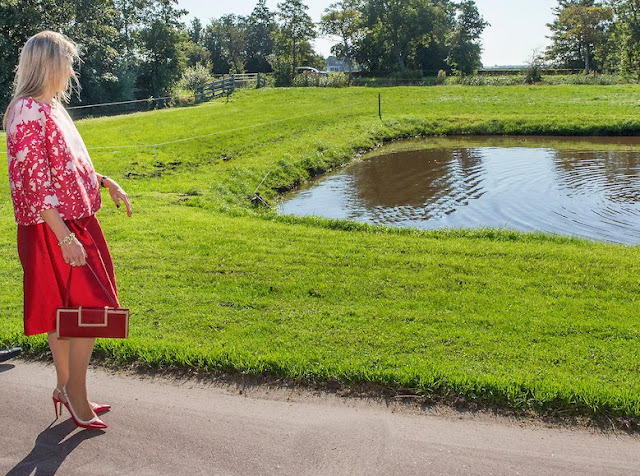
column 586, row 188
column 614, row 174
column 436, row 182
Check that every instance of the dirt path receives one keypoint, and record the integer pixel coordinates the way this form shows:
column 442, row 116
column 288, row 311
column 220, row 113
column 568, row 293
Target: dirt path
column 161, row 426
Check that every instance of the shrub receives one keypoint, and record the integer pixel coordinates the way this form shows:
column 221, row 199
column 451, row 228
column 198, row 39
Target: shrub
column 533, row 73
column 195, row 76
column 282, row 70
column 334, row 80
column 477, row 80
column 594, row 79
column 442, row 77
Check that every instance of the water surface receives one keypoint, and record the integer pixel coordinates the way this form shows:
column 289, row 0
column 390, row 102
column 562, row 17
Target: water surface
column 588, row 187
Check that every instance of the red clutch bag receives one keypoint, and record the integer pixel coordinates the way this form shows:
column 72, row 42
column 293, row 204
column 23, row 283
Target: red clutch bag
column 103, row 322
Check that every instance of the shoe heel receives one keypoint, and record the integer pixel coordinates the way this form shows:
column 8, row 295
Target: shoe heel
column 94, row 423
column 55, row 407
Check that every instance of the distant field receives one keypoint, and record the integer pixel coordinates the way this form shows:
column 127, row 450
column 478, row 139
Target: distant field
column 518, row 320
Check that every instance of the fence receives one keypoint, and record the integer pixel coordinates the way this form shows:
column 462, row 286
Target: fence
column 209, row 91
column 225, row 86
column 259, row 78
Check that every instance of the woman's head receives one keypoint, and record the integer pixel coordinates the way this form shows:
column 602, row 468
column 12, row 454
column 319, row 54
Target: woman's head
column 45, row 68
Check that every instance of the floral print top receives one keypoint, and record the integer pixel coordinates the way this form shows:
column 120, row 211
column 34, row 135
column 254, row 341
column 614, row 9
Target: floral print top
column 49, row 166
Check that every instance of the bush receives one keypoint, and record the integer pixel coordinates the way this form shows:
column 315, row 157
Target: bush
column 282, row 71
column 533, row 75
column 334, row 80
column 594, row 79
column 442, row 77
column 477, row 80
column 394, row 81
column 195, row 76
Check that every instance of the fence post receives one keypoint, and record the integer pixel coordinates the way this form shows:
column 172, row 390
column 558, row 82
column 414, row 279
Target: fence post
column 258, row 86
column 380, row 105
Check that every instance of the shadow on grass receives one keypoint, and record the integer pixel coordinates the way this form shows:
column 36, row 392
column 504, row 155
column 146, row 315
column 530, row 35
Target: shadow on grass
column 51, row 449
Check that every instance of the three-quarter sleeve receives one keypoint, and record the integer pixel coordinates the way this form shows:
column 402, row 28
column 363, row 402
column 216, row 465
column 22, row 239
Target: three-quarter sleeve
column 32, row 170
column 49, row 166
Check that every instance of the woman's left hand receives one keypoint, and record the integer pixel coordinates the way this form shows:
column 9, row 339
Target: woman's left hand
column 117, row 194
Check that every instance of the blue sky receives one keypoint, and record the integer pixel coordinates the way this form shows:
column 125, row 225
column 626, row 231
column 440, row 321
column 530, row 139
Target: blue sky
column 518, row 27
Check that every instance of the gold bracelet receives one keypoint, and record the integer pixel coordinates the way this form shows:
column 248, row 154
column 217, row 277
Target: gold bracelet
column 67, row 240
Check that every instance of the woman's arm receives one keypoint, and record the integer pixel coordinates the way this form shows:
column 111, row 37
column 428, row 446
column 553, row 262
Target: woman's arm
column 116, row 192
column 72, row 250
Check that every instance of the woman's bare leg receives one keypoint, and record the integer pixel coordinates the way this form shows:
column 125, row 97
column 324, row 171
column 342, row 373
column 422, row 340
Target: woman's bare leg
column 80, row 350
column 60, row 351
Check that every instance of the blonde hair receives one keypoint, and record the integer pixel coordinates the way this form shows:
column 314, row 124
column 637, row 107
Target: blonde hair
column 44, row 62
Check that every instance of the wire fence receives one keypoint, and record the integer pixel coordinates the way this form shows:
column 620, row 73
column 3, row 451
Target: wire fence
column 228, row 131
column 151, row 103
column 256, row 198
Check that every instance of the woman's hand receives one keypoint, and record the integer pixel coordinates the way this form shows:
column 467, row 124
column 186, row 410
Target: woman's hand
column 117, row 194
column 73, row 253
column 72, row 250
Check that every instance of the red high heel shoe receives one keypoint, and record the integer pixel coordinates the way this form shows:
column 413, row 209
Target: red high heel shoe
column 98, row 409
column 95, row 423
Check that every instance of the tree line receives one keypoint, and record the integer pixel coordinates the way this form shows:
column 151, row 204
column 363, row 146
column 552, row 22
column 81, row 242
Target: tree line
column 129, row 48
column 600, row 36
column 142, row 48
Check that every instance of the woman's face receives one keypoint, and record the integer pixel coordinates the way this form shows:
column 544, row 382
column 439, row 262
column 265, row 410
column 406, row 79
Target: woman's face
column 68, row 73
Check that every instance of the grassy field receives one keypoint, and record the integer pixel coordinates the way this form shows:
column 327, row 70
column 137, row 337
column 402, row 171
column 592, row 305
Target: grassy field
column 523, row 321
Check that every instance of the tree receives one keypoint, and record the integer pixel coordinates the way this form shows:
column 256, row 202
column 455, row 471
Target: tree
column 213, row 40
column 626, row 35
column 91, row 24
column 464, row 40
column 132, row 15
column 166, row 12
column 397, row 28
column 19, row 20
column 261, row 27
column 580, row 29
column 233, row 31
column 196, row 54
column 195, row 31
column 344, row 20
column 163, row 59
column 193, row 48
column 297, row 28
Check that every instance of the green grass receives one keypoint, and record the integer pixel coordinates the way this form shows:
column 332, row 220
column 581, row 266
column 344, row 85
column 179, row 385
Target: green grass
column 524, row 321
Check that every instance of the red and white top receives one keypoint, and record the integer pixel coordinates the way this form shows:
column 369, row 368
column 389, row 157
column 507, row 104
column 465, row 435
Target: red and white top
column 49, row 166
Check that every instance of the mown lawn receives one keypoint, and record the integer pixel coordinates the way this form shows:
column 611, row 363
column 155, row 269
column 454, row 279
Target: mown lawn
column 519, row 320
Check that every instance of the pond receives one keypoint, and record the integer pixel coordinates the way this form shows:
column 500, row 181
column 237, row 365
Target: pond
column 578, row 187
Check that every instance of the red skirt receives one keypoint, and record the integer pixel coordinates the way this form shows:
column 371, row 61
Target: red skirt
column 46, row 273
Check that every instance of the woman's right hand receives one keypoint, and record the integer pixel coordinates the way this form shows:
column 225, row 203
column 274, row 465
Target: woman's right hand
column 74, row 254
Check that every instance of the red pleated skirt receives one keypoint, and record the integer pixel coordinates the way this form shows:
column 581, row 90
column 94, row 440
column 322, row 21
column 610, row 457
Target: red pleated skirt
column 46, row 273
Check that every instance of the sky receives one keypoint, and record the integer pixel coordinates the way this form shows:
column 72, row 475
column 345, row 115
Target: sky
column 518, row 27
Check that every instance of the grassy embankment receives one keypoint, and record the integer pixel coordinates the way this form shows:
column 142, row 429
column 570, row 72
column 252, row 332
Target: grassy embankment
column 521, row 321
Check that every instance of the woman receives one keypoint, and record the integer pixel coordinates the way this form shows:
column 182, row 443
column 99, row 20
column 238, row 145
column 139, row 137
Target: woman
column 56, row 193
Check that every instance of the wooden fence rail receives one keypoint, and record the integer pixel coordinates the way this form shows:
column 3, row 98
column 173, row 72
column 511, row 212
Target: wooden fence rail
column 225, row 86
column 259, row 78
column 209, row 91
